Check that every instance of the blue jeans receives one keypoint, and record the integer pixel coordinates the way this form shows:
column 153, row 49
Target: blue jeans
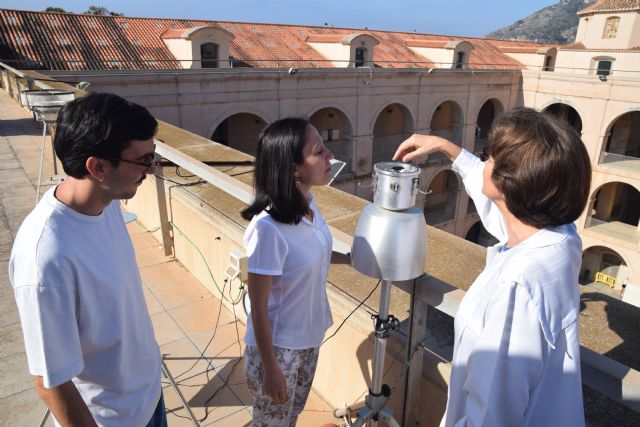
column 159, row 417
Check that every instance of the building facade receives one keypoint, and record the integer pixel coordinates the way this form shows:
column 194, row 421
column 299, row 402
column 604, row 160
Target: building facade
column 366, row 91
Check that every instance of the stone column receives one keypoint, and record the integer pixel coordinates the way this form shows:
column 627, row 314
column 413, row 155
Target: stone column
column 469, row 136
column 606, row 200
column 362, row 154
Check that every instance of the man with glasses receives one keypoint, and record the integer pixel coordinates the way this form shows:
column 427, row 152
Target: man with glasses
column 88, row 336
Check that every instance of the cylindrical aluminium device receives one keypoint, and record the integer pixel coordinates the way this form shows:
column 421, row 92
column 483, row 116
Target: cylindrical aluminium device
column 46, row 97
column 390, row 245
column 395, row 185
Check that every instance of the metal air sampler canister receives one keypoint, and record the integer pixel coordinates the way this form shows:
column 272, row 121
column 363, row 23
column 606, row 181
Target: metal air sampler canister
column 390, row 241
column 390, row 244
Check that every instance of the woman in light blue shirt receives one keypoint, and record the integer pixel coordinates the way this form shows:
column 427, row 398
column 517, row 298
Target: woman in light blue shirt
column 516, row 358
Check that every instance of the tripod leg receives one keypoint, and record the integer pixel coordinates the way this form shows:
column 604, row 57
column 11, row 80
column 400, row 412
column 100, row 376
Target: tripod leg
column 44, row 418
column 42, row 148
column 167, row 374
column 53, row 156
column 364, row 415
column 386, row 416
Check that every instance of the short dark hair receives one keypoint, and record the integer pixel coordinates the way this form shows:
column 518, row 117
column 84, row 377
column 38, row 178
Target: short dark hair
column 99, row 125
column 280, row 148
column 541, row 166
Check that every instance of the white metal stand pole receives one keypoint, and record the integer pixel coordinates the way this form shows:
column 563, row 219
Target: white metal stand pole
column 44, row 140
column 167, row 374
column 379, row 393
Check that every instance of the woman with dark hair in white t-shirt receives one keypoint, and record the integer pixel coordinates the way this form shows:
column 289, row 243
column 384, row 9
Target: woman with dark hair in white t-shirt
column 288, row 247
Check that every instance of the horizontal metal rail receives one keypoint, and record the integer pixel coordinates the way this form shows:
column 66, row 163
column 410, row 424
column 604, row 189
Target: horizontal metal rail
column 231, row 186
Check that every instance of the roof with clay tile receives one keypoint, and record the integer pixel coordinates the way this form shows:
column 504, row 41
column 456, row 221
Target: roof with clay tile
column 611, row 6
column 44, row 40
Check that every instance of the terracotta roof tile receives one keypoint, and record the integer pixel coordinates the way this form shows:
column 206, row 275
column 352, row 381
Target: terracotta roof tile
column 611, row 6
column 172, row 34
column 583, row 49
column 426, row 43
column 324, row 38
column 30, row 40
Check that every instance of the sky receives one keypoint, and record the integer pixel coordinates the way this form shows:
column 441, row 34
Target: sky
column 470, row 18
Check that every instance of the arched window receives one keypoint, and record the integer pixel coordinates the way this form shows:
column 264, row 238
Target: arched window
column 460, row 60
column 611, row 28
column 548, row 63
column 209, row 55
column 361, row 54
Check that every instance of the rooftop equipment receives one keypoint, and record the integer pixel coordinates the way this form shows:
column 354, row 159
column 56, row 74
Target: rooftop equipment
column 45, row 105
column 390, row 244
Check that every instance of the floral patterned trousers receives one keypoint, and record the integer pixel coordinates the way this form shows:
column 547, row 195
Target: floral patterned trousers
column 298, row 368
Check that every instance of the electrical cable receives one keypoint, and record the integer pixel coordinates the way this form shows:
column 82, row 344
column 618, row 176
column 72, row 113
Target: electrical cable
column 350, row 314
column 206, row 264
column 210, row 367
column 206, row 347
column 182, row 176
column 201, row 200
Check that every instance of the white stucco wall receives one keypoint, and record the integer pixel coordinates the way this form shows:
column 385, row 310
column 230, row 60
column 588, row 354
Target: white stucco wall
column 337, row 53
column 533, row 61
column 443, row 58
column 591, row 30
column 626, row 64
column 181, row 50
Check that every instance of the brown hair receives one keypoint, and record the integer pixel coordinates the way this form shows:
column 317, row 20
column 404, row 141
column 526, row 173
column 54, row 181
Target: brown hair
column 541, row 167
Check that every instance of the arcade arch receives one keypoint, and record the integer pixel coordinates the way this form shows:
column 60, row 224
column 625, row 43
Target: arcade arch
column 442, row 203
column 336, row 131
column 600, row 259
column 622, row 143
column 447, row 121
column 491, row 109
column 393, row 125
column 566, row 113
column 617, row 202
column 240, row 131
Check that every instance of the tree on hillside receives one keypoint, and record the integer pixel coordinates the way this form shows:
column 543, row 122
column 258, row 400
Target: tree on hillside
column 55, row 9
column 101, row 10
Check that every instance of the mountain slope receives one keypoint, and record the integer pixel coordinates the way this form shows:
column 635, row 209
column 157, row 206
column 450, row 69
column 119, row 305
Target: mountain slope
column 557, row 23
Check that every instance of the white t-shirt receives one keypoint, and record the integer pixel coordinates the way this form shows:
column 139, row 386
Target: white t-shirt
column 516, row 358
column 84, row 317
column 298, row 257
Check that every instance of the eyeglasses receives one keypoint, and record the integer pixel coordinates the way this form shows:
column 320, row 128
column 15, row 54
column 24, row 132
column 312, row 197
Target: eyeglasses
column 146, row 162
column 484, row 154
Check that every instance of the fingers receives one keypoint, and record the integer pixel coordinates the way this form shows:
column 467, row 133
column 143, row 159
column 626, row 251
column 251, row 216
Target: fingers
column 418, row 145
column 410, row 156
column 404, row 149
column 277, row 392
column 282, row 393
column 279, row 396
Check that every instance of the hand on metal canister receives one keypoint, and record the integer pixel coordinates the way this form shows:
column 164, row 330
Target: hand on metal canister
column 421, row 145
